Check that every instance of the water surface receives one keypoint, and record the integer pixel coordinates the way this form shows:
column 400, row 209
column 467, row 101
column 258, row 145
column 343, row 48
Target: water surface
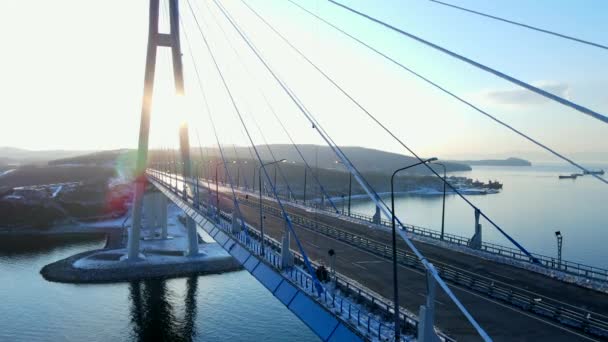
column 225, row 307
column 533, row 204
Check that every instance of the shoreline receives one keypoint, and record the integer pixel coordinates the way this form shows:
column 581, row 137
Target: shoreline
column 423, row 192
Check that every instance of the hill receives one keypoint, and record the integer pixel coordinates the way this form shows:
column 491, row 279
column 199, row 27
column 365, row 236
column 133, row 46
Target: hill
column 365, row 159
column 322, row 157
column 18, row 156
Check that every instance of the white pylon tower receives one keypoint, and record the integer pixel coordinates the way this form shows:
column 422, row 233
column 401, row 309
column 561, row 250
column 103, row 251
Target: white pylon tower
column 156, row 40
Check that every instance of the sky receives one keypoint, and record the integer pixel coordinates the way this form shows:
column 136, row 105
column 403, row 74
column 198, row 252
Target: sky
column 71, row 76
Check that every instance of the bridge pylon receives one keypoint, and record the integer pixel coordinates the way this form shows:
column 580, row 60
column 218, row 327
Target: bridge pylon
column 171, row 40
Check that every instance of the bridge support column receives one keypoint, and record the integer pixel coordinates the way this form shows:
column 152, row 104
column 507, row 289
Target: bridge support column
column 155, row 205
column 286, row 255
column 236, row 225
column 426, row 317
column 476, row 239
column 144, row 132
column 163, row 217
column 377, row 218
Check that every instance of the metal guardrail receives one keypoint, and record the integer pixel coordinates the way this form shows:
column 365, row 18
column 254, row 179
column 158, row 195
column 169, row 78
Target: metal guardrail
column 347, row 308
column 355, row 294
column 570, row 267
column 568, row 315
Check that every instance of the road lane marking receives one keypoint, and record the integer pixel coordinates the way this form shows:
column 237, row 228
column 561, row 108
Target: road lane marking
column 312, row 244
column 355, row 264
column 458, row 287
column 436, row 300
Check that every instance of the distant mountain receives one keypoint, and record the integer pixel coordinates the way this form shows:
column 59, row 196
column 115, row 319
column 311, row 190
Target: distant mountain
column 365, row 159
column 498, row 162
column 323, row 157
column 13, row 155
column 106, row 158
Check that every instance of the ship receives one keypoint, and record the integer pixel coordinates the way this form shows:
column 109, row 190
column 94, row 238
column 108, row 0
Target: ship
column 572, row 176
column 496, row 185
column 599, row 172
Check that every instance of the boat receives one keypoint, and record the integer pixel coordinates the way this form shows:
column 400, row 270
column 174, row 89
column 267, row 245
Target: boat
column 572, row 176
column 599, row 172
column 496, row 185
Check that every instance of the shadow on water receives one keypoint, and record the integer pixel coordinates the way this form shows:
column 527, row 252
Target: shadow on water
column 153, row 312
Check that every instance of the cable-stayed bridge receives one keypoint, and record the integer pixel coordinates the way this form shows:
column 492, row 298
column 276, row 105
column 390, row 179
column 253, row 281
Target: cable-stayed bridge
column 388, row 280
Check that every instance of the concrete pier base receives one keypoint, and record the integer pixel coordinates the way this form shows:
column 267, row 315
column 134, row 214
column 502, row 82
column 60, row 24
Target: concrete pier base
column 164, row 258
column 102, row 266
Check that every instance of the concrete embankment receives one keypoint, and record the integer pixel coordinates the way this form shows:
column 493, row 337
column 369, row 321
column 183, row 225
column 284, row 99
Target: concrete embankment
column 64, row 271
column 160, row 258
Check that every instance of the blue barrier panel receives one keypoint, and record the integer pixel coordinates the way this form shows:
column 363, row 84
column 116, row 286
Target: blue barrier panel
column 251, row 264
column 343, row 334
column 221, row 238
column 228, row 245
column 240, row 254
column 267, row 277
column 311, row 313
column 285, row 292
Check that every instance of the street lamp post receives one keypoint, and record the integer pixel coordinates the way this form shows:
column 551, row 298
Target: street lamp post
column 261, row 212
column 217, row 190
column 395, row 281
column 238, row 173
column 350, row 187
column 560, row 238
column 253, row 180
column 304, row 199
column 443, row 208
column 197, row 189
column 275, row 174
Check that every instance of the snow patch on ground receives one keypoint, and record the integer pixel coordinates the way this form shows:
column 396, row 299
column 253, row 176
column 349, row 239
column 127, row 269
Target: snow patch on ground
column 154, row 251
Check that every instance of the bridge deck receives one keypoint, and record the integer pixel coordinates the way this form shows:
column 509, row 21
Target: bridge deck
column 501, row 321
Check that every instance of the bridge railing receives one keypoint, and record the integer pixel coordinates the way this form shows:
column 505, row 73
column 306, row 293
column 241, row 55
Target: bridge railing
column 349, row 308
column 569, row 267
column 526, row 300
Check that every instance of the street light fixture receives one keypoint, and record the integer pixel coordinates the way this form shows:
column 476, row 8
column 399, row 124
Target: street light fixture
column 395, row 281
column 260, row 186
column 443, row 208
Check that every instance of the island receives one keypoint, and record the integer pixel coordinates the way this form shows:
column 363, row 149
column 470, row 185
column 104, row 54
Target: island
column 497, row 162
